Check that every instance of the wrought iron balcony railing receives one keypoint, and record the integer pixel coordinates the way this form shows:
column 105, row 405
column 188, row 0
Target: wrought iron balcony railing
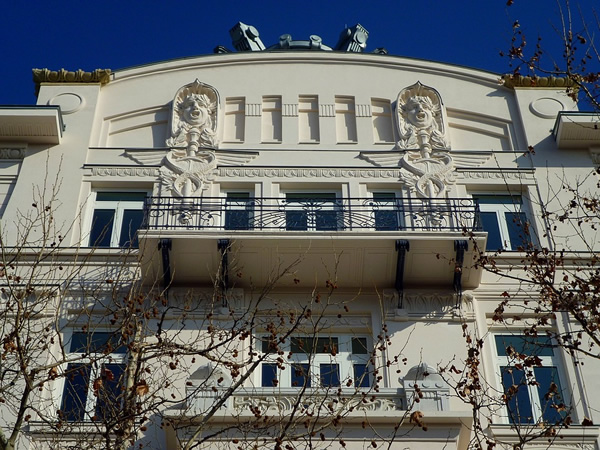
column 311, row 213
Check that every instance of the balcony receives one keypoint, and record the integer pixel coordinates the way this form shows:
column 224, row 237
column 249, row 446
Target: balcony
column 352, row 239
column 311, row 214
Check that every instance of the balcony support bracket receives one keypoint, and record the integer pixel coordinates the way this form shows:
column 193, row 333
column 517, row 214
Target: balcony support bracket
column 460, row 246
column 223, row 245
column 165, row 245
column 402, row 246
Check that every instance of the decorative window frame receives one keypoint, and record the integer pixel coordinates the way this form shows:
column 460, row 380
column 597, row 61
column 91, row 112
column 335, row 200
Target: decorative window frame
column 119, row 206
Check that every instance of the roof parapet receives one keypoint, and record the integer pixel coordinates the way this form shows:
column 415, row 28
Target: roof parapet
column 513, row 81
column 40, row 76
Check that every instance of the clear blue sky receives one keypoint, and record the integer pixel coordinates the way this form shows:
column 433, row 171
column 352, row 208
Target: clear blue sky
column 116, row 34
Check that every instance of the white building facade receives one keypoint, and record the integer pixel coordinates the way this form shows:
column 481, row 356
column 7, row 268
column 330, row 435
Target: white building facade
column 320, row 213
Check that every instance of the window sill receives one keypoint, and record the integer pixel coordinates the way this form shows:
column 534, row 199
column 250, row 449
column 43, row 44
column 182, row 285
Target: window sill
column 575, row 434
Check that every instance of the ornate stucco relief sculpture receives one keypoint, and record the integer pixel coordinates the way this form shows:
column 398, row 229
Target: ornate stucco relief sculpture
column 422, row 133
column 190, row 164
column 423, row 147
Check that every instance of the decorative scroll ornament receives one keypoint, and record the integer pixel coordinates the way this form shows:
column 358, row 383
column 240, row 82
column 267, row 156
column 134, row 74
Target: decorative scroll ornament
column 422, row 131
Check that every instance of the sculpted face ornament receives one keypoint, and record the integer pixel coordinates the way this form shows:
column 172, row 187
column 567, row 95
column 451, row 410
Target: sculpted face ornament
column 196, row 110
column 420, row 111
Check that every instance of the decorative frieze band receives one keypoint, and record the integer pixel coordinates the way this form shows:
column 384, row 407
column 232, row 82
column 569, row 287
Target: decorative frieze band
column 12, row 153
column 363, row 110
column 253, row 109
column 289, row 109
column 251, row 172
column 503, row 174
column 327, row 110
column 125, row 171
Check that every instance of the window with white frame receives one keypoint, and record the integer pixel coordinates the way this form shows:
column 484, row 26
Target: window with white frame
column 506, row 221
column 93, row 382
column 116, row 219
column 529, row 372
column 317, row 362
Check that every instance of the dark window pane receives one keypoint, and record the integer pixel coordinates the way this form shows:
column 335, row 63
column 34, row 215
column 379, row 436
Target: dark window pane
column 75, row 392
column 109, row 391
column 518, row 401
column 236, row 219
column 326, row 220
column 359, row 346
column 300, row 375
column 102, row 226
column 296, row 220
column 304, row 197
column 549, row 390
column 97, row 342
column 238, row 212
column 518, row 231
column 311, row 209
column 269, row 375
column 120, row 196
column 132, row 221
column 268, row 345
column 532, row 346
column 386, row 220
column 361, row 376
column 327, row 345
column 513, row 202
column 302, row 345
column 385, row 209
column 330, row 375
column 489, row 222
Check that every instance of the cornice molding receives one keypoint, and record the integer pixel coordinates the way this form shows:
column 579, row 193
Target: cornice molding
column 515, row 81
column 12, row 153
column 40, row 76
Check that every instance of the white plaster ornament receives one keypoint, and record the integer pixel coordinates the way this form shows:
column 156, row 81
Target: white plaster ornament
column 422, row 133
column 190, row 164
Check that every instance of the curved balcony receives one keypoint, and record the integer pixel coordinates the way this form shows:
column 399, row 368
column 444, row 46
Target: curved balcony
column 378, row 242
column 313, row 213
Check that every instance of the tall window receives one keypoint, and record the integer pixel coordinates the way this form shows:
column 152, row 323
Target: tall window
column 116, row 219
column 235, row 119
column 239, row 211
column 312, row 361
column 94, row 384
column 529, row 373
column 308, row 118
column 387, row 211
column 271, row 119
column 381, row 112
column 506, row 222
column 312, row 211
column 345, row 119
